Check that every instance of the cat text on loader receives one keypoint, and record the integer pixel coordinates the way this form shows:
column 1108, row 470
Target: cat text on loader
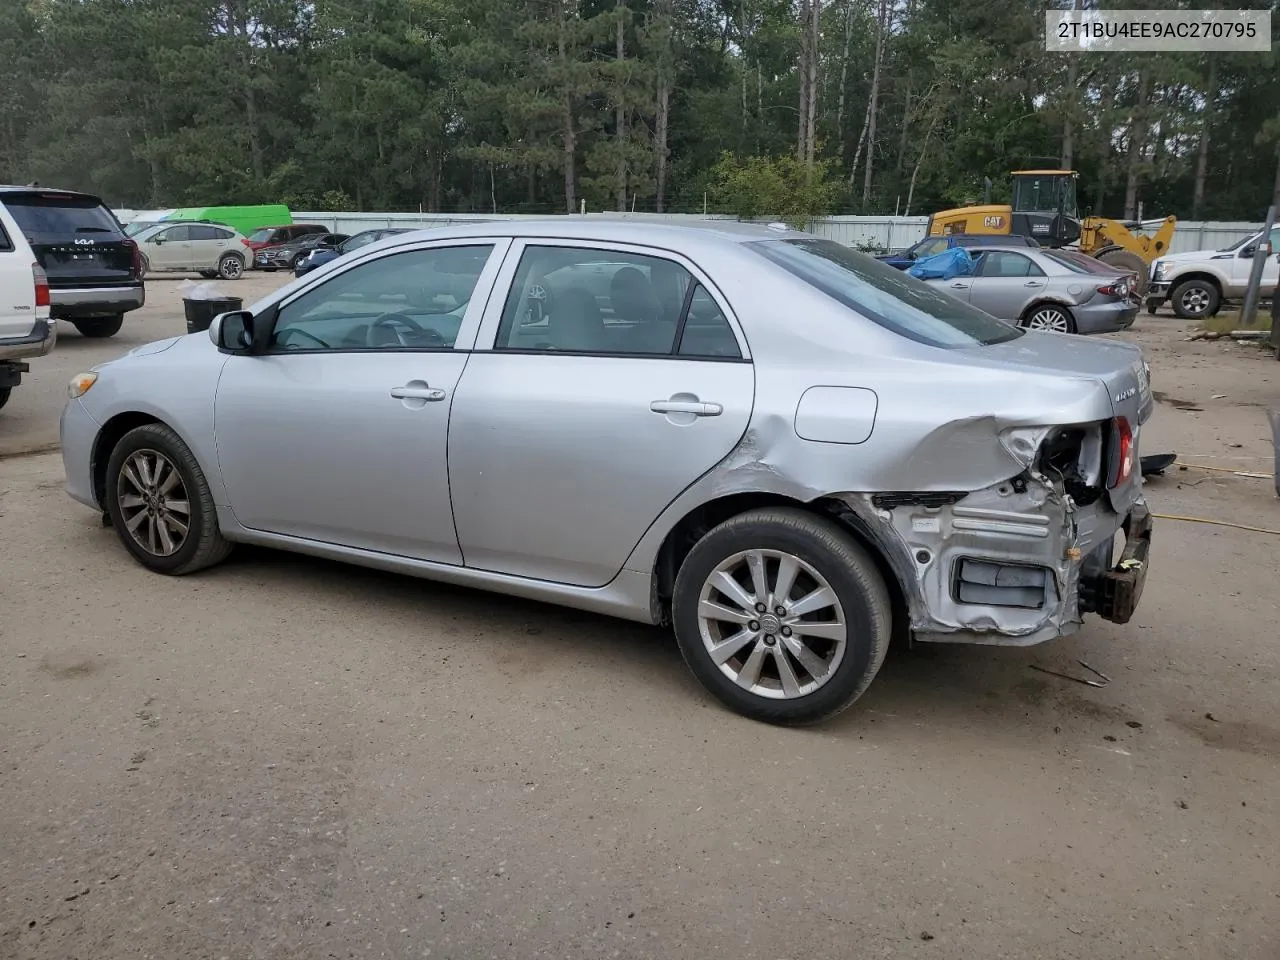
column 1044, row 208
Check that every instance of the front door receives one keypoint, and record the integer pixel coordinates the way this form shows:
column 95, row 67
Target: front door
column 338, row 433
column 1005, row 283
column 170, row 249
column 590, row 415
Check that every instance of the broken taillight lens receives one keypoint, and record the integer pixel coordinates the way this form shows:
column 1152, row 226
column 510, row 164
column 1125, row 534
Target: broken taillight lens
column 1122, row 452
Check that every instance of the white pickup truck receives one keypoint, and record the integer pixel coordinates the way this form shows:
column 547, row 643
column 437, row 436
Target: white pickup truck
column 1196, row 283
column 26, row 330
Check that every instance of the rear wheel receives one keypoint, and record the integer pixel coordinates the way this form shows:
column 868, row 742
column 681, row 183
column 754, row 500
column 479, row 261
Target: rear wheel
column 5, row 393
column 99, row 327
column 159, row 503
column 230, row 267
column 1153, row 306
column 782, row 615
column 1050, row 318
column 1128, row 261
column 208, row 274
column 1195, row 299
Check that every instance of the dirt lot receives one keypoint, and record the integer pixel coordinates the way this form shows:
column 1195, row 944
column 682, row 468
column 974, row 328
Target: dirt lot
column 285, row 758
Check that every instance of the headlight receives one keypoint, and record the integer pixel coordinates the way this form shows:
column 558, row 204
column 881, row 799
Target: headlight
column 1158, row 272
column 80, row 384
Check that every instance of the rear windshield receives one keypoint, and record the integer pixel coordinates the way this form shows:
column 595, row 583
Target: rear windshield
column 1079, row 263
column 52, row 217
column 892, row 298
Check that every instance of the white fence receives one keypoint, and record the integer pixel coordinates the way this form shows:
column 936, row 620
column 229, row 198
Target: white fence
column 890, row 233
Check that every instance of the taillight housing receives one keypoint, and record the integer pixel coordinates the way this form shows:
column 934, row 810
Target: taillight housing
column 136, row 252
column 41, row 281
column 1122, row 453
column 1118, row 289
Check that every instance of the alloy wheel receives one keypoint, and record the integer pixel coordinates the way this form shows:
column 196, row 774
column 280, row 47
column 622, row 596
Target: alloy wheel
column 1050, row 319
column 154, row 503
column 231, row 268
column 772, row 624
column 1195, row 301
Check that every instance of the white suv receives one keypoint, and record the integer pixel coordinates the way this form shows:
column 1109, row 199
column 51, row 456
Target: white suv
column 210, row 249
column 1196, row 283
column 25, row 328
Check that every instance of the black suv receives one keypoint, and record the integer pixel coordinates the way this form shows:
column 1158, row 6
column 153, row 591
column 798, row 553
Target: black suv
column 94, row 270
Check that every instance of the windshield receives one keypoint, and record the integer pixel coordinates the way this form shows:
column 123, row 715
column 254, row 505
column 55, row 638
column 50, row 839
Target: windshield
column 1237, row 245
column 138, row 226
column 893, row 299
column 358, row 241
column 1038, row 193
column 261, row 235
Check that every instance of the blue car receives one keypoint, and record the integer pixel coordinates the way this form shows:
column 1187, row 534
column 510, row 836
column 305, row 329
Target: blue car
column 321, row 255
column 931, row 246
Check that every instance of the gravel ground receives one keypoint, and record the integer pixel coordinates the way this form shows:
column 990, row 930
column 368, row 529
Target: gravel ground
column 287, row 758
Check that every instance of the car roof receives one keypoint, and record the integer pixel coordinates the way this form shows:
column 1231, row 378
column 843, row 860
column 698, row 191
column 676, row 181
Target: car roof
column 19, row 188
column 620, row 230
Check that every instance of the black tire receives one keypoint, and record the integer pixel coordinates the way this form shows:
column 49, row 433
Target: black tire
column 839, row 559
column 208, row 274
column 1196, row 299
column 99, row 327
column 230, row 267
column 204, row 545
column 1153, row 306
column 5, row 394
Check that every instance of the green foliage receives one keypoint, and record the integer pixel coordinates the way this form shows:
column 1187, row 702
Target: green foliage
column 777, row 188
column 512, row 105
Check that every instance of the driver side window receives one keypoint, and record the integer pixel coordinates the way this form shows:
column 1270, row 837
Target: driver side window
column 413, row 300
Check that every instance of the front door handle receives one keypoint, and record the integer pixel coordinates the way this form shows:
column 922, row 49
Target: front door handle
column 1033, row 283
column 960, row 286
column 693, row 407
column 417, row 393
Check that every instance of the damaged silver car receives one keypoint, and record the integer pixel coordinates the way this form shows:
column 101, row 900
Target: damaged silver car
column 784, row 449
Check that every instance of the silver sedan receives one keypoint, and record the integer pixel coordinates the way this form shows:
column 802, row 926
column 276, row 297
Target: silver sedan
column 784, row 449
column 1059, row 291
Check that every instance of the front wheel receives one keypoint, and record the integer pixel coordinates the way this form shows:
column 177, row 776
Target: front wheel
column 1195, row 299
column 782, row 615
column 159, row 503
column 99, row 327
column 1049, row 318
column 1153, row 306
column 5, row 393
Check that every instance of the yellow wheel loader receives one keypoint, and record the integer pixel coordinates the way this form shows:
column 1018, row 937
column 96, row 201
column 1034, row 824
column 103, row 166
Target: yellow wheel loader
column 1044, row 208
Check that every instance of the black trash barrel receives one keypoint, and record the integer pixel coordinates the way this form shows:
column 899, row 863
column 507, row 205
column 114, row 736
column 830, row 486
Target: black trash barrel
column 200, row 313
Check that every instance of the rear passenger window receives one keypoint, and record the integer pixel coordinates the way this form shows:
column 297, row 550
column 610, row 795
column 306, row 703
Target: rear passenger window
column 205, row 233
column 706, row 329
column 590, row 301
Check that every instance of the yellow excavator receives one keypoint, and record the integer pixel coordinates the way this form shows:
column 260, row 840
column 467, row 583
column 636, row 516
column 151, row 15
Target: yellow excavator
column 1044, row 208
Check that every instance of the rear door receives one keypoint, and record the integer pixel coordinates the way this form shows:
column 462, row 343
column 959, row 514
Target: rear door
column 207, row 244
column 590, row 404
column 74, row 237
column 17, row 284
column 1004, row 283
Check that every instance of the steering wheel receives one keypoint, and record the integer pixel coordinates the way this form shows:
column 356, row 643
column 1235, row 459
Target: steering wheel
column 538, row 304
column 391, row 321
column 289, row 332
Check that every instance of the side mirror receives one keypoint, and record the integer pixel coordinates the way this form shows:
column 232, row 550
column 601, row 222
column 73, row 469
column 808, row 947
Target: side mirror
column 233, row 331
column 1248, row 252
column 157, row 240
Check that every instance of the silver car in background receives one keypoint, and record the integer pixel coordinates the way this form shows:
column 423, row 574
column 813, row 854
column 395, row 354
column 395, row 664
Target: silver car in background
column 784, row 449
column 1056, row 290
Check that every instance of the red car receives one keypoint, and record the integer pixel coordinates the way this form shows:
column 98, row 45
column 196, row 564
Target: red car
column 270, row 236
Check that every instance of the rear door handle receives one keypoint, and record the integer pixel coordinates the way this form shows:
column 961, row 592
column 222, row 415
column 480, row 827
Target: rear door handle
column 687, row 406
column 1033, row 283
column 960, row 286
column 417, row 393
